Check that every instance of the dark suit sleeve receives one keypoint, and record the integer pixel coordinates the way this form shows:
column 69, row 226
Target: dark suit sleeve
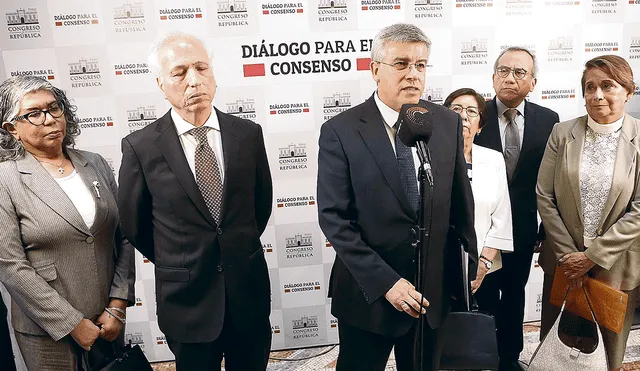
column 338, row 220
column 124, row 278
column 264, row 186
column 134, row 203
column 462, row 207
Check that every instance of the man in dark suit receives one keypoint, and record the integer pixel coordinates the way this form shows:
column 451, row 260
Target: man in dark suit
column 519, row 129
column 195, row 196
column 368, row 204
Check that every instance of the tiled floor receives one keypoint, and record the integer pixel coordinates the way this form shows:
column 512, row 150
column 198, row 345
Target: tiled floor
column 326, row 361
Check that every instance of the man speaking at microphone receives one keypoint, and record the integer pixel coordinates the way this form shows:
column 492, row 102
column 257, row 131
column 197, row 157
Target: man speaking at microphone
column 368, row 201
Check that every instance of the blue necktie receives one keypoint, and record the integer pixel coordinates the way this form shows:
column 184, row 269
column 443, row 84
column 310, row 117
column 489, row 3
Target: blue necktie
column 408, row 174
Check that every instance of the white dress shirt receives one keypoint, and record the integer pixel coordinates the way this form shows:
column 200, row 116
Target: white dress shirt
column 80, row 196
column 493, row 222
column 189, row 142
column 389, row 116
column 502, row 120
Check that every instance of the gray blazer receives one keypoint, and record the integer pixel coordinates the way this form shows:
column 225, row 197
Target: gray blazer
column 56, row 269
column 616, row 249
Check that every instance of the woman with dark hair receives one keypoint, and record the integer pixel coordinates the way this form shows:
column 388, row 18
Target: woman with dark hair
column 589, row 195
column 488, row 177
column 63, row 260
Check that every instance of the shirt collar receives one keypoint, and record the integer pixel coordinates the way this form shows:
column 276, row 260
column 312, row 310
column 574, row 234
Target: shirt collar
column 502, row 108
column 182, row 126
column 388, row 114
column 605, row 128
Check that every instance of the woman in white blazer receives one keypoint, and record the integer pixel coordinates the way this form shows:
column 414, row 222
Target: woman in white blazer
column 487, row 172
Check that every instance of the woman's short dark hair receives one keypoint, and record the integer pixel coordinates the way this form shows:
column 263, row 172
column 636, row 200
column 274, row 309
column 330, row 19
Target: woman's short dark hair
column 482, row 105
column 12, row 91
column 615, row 67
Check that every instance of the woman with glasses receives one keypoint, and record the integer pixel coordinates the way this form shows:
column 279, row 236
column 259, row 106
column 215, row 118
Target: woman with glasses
column 486, row 170
column 589, row 196
column 63, row 260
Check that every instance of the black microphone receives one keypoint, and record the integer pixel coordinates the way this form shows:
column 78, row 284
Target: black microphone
column 414, row 130
column 416, row 124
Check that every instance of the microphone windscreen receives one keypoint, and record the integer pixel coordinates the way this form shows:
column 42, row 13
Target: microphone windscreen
column 416, row 124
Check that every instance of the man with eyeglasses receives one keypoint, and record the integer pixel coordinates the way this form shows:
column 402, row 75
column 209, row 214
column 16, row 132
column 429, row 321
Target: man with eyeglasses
column 368, row 203
column 519, row 129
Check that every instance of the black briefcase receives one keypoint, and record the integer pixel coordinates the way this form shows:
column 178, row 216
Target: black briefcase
column 469, row 339
column 469, row 342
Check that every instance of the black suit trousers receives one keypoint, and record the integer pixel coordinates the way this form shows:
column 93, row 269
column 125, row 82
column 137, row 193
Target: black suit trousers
column 511, row 280
column 361, row 350
column 242, row 350
column 488, row 295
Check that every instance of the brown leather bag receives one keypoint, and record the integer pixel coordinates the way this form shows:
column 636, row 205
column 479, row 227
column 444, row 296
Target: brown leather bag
column 609, row 305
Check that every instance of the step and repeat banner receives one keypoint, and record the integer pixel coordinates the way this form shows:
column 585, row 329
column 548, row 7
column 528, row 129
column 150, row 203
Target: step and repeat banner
column 290, row 66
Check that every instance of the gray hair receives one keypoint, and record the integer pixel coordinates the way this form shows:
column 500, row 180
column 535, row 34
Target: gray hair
column 534, row 73
column 12, row 91
column 400, row 33
column 162, row 41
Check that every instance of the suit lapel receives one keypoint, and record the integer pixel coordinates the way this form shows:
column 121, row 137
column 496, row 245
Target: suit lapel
column 625, row 161
column 376, row 139
column 169, row 145
column 89, row 176
column 573, row 159
column 40, row 182
column 231, row 144
column 490, row 134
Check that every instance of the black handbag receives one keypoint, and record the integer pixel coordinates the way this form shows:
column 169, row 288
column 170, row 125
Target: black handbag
column 468, row 336
column 113, row 358
column 469, row 342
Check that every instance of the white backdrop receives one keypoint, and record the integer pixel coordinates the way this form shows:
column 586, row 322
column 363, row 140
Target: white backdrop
column 289, row 66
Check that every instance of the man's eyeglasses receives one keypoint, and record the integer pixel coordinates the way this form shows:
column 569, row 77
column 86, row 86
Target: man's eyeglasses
column 518, row 73
column 38, row 117
column 403, row 65
column 471, row 110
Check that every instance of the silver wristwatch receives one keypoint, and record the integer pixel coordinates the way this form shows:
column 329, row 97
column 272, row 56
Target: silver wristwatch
column 487, row 263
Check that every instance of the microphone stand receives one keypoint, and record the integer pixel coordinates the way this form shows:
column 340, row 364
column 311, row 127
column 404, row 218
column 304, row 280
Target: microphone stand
column 421, row 239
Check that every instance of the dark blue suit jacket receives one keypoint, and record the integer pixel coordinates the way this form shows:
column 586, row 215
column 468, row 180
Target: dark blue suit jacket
column 365, row 213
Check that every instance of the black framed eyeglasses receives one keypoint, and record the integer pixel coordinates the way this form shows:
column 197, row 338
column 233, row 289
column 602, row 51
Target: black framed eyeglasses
column 38, row 117
column 471, row 110
column 518, row 73
column 403, row 65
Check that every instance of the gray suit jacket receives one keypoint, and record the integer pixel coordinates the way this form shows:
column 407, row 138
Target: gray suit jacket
column 56, row 269
column 616, row 249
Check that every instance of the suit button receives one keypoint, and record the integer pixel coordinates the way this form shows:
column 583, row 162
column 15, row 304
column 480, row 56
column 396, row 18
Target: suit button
column 219, row 268
column 219, row 231
column 599, row 231
column 89, row 239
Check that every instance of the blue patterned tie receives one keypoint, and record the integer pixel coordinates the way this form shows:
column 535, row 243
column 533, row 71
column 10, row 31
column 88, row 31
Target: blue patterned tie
column 407, row 169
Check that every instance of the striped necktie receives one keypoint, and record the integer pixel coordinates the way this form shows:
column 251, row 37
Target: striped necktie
column 407, row 171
